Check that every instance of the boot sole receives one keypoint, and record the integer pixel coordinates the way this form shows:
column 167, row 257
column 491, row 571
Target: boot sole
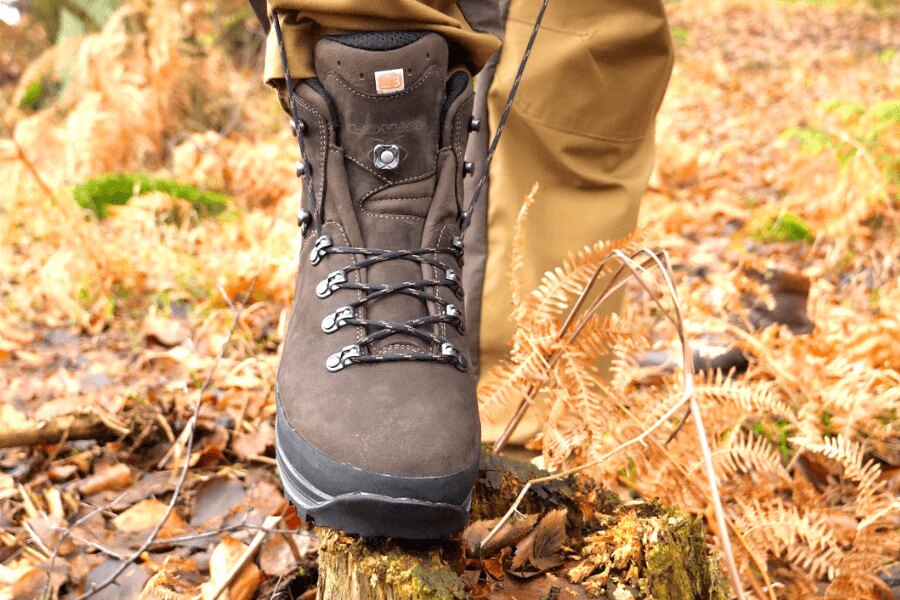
column 364, row 513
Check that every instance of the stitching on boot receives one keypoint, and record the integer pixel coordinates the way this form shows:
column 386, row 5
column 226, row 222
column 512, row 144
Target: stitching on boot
column 437, row 289
column 393, row 183
column 380, row 177
column 425, row 75
column 412, row 218
column 400, row 346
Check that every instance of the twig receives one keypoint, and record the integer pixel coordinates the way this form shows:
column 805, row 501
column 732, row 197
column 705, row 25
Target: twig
column 269, row 524
column 66, row 533
column 29, row 166
column 189, row 445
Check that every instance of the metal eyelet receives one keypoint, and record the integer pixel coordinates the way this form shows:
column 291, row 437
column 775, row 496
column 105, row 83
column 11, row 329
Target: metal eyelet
column 449, row 350
column 304, row 217
column 452, row 311
column 457, row 243
column 318, row 251
column 295, row 128
column 450, row 275
column 301, row 168
column 330, row 284
column 468, row 167
column 336, row 320
column 342, row 358
column 474, row 124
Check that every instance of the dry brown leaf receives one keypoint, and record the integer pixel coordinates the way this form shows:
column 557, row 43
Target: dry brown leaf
column 112, row 477
column 512, row 531
column 145, row 515
column 172, row 581
column 245, row 445
column 540, row 548
column 276, row 558
column 165, row 331
column 223, row 559
column 20, row 576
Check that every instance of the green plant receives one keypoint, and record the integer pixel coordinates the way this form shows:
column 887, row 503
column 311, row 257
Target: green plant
column 855, row 131
column 99, row 193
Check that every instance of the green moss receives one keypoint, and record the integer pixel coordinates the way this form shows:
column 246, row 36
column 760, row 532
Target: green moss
column 99, row 193
column 394, row 571
column 783, row 227
column 678, row 566
column 39, row 93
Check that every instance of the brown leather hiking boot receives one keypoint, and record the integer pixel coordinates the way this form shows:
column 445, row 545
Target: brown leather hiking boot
column 377, row 426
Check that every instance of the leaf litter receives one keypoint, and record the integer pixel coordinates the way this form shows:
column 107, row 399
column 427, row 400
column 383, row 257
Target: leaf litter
column 118, row 321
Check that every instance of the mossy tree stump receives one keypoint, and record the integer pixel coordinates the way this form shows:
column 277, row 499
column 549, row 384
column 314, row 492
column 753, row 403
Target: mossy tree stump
column 642, row 548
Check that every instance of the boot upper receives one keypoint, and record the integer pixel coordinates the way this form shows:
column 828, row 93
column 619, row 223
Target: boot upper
column 385, row 131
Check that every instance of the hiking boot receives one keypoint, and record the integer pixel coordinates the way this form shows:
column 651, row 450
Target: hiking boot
column 377, row 425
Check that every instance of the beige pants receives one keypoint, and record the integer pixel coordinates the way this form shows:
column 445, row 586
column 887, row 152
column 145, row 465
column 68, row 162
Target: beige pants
column 582, row 126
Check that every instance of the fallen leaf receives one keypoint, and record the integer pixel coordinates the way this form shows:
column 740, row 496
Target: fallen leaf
column 216, row 498
column 114, row 477
column 223, row 560
column 512, row 531
column 173, row 581
column 245, row 445
column 165, row 331
column 145, row 515
column 540, row 547
column 276, row 557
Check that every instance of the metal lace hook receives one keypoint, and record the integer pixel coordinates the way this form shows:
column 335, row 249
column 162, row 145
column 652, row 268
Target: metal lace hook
column 295, row 115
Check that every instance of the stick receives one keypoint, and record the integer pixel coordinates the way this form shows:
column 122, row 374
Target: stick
column 87, row 425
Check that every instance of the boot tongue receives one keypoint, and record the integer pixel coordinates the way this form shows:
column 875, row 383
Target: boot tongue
column 388, row 90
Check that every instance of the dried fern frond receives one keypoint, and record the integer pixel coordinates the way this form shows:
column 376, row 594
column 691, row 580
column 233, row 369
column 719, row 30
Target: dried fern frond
column 507, row 383
column 798, row 536
column 561, row 286
column 754, row 398
column 852, row 457
column 518, row 254
column 744, row 453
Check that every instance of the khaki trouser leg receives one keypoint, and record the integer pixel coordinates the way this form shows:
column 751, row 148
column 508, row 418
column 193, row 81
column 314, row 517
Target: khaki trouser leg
column 304, row 22
column 582, row 126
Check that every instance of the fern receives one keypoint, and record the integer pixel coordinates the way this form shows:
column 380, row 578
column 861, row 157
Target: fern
column 851, row 456
column 797, row 536
column 746, row 453
column 753, row 398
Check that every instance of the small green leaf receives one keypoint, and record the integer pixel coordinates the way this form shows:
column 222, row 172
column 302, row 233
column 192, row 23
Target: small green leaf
column 814, row 141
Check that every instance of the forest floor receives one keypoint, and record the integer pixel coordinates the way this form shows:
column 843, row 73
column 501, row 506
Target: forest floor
column 778, row 152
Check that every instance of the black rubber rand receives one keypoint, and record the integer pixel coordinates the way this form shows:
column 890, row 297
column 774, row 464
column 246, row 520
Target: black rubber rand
column 365, row 503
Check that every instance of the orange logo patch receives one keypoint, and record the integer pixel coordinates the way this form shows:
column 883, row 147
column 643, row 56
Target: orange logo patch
column 390, row 81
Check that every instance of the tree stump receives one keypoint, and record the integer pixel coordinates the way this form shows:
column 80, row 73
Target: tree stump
column 638, row 548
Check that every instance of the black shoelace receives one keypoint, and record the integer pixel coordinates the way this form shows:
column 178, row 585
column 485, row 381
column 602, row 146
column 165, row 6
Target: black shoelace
column 338, row 280
column 381, row 329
